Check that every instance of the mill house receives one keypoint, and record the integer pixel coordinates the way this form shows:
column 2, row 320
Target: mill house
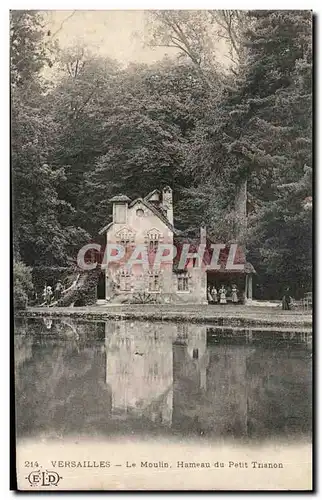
column 148, row 221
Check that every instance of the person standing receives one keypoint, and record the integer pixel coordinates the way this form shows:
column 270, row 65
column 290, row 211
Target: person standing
column 58, row 290
column 214, row 294
column 49, row 294
column 222, row 295
column 234, row 294
column 286, row 301
column 44, row 293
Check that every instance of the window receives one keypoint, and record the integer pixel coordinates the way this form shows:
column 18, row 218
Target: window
column 120, row 213
column 125, row 237
column 154, row 282
column 183, row 282
column 124, row 280
column 153, row 238
column 153, row 246
column 140, row 212
column 195, row 354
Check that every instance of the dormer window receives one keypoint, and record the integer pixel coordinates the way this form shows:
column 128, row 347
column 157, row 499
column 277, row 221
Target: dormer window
column 139, row 212
column 125, row 237
column 120, row 206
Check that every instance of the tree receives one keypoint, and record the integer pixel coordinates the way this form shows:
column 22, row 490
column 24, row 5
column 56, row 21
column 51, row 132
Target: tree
column 146, row 129
column 230, row 26
column 207, row 38
column 22, row 284
column 28, row 52
column 281, row 240
column 254, row 137
column 78, row 104
column 43, row 233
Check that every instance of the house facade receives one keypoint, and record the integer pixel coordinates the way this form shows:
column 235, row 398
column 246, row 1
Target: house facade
column 148, row 222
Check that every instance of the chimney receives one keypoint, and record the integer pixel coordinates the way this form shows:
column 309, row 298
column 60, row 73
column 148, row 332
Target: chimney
column 120, row 206
column 167, row 202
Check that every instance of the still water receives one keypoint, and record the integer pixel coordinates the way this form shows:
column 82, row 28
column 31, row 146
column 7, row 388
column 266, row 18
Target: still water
column 142, row 378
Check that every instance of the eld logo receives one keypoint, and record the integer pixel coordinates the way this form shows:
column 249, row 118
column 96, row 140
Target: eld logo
column 43, row 478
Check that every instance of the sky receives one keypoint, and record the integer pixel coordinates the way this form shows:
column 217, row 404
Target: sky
column 113, row 33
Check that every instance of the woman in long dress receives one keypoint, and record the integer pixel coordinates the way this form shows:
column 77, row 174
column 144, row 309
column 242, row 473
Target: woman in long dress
column 58, row 290
column 234, row 296
column 214, row 294
column 49, row 294
column 222, row 295
column 286, row 301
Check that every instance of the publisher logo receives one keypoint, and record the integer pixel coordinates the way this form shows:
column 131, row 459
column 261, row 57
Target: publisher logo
column 43, row 478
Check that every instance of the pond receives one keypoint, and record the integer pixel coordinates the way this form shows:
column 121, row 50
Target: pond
column 123, row 378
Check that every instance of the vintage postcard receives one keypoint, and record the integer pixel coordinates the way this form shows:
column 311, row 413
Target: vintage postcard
column 162, row 249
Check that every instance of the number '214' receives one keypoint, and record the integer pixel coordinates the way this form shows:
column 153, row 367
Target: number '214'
column 31, row 464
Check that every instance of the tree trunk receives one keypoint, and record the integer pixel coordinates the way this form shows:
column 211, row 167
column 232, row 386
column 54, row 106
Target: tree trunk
column 84, row 292
column 241, row 212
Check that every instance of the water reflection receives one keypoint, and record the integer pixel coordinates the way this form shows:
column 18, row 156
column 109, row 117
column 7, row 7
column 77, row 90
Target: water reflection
column 142, row 378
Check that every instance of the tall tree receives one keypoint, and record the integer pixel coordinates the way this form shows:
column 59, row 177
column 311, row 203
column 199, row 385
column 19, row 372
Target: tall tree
column 28, row 52
column 42, row 230
column 262, row 127
column 146, row 130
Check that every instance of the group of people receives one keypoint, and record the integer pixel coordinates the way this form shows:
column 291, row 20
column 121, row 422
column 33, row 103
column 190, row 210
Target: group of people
column 220, row 296
column 49, row 294
column 286, row 300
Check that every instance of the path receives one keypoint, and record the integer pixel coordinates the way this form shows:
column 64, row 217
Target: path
column 225, row 315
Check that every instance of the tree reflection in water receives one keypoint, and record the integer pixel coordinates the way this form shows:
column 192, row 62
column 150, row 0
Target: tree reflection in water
column 123, row 377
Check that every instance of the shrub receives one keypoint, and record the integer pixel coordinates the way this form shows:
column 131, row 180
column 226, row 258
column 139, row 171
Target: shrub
column 22, row 284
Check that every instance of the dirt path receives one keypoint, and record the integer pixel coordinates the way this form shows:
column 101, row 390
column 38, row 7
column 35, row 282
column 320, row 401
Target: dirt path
column 227, row 315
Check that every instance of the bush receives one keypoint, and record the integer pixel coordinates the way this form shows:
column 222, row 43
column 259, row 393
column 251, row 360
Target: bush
column 22, row 285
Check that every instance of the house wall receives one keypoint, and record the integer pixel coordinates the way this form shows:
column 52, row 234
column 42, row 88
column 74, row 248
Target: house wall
column 138, row 228
column 140, row 221
column 197, row 284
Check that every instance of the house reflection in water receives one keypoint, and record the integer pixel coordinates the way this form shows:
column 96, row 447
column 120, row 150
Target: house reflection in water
column 139, row 369
column 142, row 365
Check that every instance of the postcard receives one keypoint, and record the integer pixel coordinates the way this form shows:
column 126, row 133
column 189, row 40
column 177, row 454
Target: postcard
column 162, row 249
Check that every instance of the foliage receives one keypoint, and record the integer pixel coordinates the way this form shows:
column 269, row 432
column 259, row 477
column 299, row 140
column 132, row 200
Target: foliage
column 258, row 137
column 22, row 284
column 28, row 53
column 44, row 230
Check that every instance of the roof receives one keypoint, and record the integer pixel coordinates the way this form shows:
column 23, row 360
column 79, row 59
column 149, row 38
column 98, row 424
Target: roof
column 155, row 191
column 156, row 212
column 223, row 256
column 120, row 197
column 151, row 207
column 105, row 228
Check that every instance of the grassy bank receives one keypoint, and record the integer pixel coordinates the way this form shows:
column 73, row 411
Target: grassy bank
column 229, row 315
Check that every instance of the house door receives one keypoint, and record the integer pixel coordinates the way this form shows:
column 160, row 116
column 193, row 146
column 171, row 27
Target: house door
column 101, row 287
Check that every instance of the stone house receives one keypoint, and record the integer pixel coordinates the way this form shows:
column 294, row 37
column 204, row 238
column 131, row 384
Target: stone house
column 148, row 222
